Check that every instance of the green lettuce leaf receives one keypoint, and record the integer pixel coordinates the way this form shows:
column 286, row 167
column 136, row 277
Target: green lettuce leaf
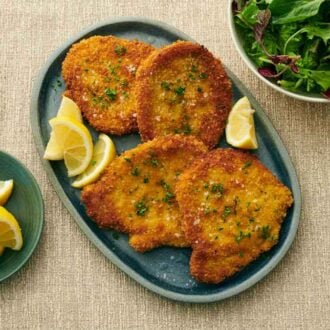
column 289, row 11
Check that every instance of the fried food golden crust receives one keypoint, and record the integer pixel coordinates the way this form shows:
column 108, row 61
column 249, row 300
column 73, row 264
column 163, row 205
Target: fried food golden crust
column 100, row 76
column 233, row 208
column 136, row 193
column 183, row 89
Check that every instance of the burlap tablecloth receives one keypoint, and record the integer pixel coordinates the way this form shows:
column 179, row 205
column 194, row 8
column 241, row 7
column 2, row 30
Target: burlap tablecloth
column 68, row 283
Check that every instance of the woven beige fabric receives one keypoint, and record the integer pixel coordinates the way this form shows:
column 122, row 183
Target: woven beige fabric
column 68, row 283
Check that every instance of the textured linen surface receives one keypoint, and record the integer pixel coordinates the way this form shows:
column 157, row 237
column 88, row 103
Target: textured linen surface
column 68, row 283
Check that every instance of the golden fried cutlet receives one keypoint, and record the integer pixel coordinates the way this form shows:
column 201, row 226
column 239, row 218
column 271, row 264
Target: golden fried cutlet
column 183, row 89
column 233, row 208
column 100, row 76
column 135, row 195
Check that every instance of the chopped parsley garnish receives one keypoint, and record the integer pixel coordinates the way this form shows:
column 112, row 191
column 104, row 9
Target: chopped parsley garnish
column 113, row 69
column 251, row 220
column 217, row 188
column 93, row 162
column 180, row 90
column 120, row 50
column 128, row 160
column 145, row 180
column 193, row 68
column 242, row 235
column 191, row 76
column 135, row 171
column 199, row 89
column 203, row 75
column 239, row 237
column 186, row 129
column 165, row 85
column 111, row 93
column 220, row 228
column 246, row 165
column 265, row 232
column 168, row 193
column 168, row 197
column 241, row 254
column 226, row 212
column 165, row 185
column 141, row 208
column 154, row 162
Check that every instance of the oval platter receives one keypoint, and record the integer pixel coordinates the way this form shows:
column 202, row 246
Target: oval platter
column 163, row 270
column 26, row 204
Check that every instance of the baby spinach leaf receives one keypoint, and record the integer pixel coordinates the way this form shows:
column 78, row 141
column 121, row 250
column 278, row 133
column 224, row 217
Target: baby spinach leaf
column 289, row 11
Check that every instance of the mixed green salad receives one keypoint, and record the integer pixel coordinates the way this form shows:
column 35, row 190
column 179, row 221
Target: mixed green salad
column 288, row 40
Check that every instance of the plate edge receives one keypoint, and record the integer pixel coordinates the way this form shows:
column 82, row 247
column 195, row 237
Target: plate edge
column 34, row 118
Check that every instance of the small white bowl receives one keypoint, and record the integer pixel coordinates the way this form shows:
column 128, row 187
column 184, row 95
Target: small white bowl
column 310, row 97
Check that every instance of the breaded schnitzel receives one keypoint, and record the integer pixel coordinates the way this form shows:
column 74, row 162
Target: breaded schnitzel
column 183, row 89
column 135, row 195
column 100, row 76
column 233, row 208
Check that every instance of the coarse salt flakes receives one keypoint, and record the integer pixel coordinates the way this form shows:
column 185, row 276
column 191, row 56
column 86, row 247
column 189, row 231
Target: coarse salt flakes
column 196, row 222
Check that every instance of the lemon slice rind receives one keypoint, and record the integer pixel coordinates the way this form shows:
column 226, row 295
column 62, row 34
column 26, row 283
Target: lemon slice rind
column 6, row 189
column 104, row 152
column 68, row 108
column 76, row 141
column 10, row 225
column 240, row 129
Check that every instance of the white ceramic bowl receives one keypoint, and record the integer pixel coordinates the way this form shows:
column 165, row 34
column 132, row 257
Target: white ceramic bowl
column 310, row 97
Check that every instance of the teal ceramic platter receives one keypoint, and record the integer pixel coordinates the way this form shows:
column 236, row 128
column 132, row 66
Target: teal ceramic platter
column 164, row 270
column 26, row 205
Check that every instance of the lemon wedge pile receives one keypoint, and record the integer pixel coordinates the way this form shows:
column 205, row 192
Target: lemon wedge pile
column 69, row 109
column 71, row 140
column 10, row 231
column 75, row 141
column 240, row 130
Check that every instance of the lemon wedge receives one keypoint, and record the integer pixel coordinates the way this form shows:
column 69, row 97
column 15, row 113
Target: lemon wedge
column 10, row 231
column 70, row 109
column 240, row 130
column 6, row 188
column 76, row 142
column 104, row 152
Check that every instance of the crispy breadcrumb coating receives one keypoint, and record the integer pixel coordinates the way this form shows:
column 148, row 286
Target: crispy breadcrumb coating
column 100, row 76
column 135, row 195
column 183, row 89
column 233, row 208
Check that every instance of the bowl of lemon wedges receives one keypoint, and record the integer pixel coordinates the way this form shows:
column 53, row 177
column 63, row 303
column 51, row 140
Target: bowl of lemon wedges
column 21, row 215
